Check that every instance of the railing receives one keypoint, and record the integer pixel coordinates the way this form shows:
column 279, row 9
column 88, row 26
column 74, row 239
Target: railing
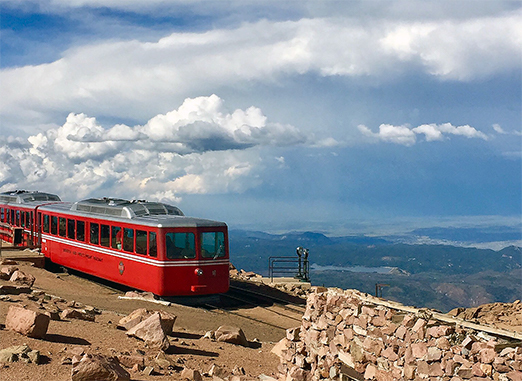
column 298, row 268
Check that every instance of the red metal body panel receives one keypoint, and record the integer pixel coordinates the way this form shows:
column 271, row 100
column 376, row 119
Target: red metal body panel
column 161, row 276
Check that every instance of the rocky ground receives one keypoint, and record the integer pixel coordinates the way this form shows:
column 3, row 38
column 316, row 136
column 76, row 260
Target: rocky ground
column 67, row 339
column 500, row 315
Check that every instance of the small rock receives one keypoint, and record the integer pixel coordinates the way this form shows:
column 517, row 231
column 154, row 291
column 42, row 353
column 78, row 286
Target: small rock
column 70, row 313
column 66, row 361
column 6, row 272
column 19, row 353
column 217, row 371
column 22, row 278
column 191, row 374
column 233, row 335
column 130, row 361
column 151, row 331
column 238, row 371
column 26, row 322
column 98, row 367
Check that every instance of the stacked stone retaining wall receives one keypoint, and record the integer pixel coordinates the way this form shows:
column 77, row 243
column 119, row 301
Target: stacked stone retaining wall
column 348, row 335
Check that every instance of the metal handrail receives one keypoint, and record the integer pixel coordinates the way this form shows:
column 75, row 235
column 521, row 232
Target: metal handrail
column 300, row 269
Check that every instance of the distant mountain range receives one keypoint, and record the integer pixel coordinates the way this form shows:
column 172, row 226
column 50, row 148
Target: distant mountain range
column 430, row 275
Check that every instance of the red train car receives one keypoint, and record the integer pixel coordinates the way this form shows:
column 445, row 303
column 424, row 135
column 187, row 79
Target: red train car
column 144, row 245
column 17, row 212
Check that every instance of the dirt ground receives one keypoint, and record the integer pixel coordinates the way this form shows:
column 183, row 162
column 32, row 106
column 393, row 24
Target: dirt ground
column 188, row 348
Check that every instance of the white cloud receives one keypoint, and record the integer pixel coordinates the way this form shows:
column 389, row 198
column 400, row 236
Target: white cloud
column 407, row 136
column 129, row 78
column 191, row 150
column 393, row 134
column 498, row 129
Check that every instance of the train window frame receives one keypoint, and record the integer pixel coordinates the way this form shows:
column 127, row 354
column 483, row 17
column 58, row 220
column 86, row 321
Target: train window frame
column 62, row 227
column 46, row 223
column 141, row 241
column 54, row 225
column 153, row 245
column 215, row 252
column 105, row 235
column 180, row 245
column 92, row 227
column 71, row 228
column 116, row 237
column 128, row 239
column 80, row 237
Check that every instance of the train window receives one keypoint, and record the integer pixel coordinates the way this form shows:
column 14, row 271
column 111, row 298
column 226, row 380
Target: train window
column 105, row 235
column 13, row 219
column 128, row 240
column 95, row 234
column 62, row 230
column 153, row 248
column 17, row 218
column 46, row 223
column 1, row 214
column 180, row 245
column 141, row 242
column 212, row 245
column 54, row 225
column 22, row 219
column 80, row 231
column 71, row 227
column 116, row 233
column 28, row 219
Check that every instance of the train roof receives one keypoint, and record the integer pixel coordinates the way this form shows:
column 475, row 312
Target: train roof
column 136, row 212
column 27, row 197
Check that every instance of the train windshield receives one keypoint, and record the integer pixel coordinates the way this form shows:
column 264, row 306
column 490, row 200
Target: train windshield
column 180, row 245
column 212, row 245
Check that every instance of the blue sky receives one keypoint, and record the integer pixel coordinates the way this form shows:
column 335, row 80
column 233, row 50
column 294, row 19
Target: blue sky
column 334, row 116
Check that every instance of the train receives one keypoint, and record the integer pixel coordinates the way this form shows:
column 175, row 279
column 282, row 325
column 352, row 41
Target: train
column 148, row 246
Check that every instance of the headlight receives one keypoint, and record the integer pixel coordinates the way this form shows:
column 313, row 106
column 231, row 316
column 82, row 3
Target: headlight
column 198, row 272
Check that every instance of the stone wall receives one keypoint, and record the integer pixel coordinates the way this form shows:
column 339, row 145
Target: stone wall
column 350, row 335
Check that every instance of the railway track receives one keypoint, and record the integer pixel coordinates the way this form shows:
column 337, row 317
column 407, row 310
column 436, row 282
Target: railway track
column 261, row 304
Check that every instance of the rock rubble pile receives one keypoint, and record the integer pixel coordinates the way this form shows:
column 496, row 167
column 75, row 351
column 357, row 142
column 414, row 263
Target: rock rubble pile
column 344, row 335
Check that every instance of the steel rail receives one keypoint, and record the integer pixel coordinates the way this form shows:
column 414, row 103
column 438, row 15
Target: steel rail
column 266, row 308
column 246, row 317
column 283, row 302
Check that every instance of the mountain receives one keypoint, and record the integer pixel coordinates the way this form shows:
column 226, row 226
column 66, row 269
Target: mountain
column 437, row 276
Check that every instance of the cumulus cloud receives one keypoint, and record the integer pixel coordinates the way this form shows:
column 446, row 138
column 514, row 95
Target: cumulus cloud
column 408, row 136
column 198, row 148
column 129, row 78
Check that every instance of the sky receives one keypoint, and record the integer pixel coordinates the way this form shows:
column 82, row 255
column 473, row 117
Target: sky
column 334, row 116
